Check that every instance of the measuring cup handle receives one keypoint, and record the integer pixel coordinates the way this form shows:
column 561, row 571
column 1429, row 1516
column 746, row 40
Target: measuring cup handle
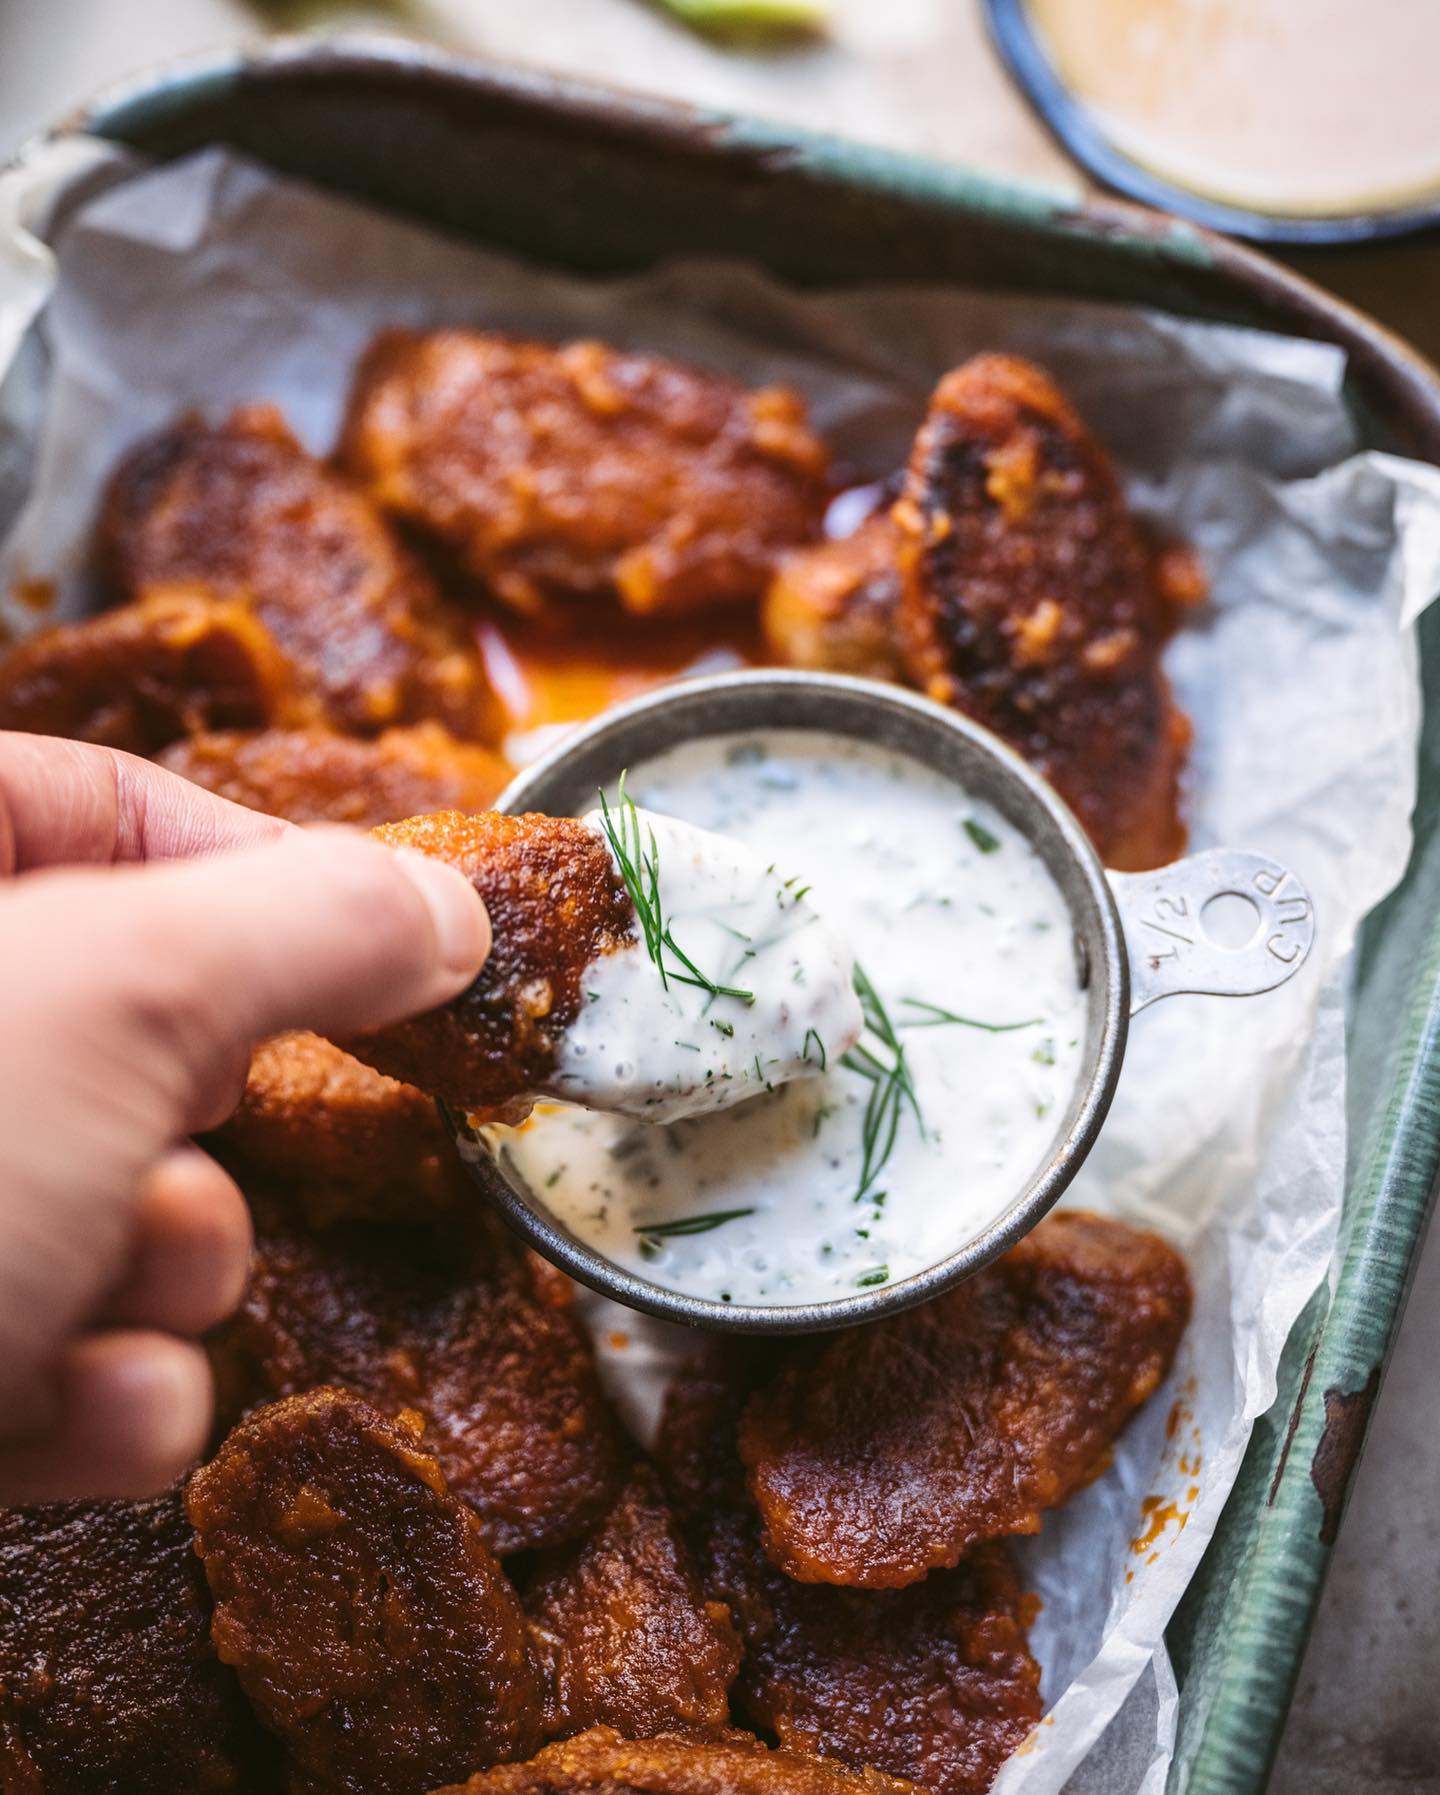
column 1170, row 948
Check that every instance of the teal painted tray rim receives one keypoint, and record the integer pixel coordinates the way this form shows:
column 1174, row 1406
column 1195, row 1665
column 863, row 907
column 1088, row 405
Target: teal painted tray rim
column 1231, row 1718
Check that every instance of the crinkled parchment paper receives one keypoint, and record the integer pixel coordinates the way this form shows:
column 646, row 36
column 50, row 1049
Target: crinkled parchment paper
column 208, row 283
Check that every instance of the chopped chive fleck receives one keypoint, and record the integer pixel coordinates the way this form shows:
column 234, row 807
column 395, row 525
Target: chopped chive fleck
column 1044, row 1054
column 880, row 1275
column 554, row 1178
column 640, row 873
column 981, row 836
column 689, row 1046
column 725, row 1028
column 891, row 1085
column 935, row 1017
column 690, row 1224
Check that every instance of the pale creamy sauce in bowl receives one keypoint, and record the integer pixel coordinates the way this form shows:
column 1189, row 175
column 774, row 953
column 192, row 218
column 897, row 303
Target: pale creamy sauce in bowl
column 871, row 1164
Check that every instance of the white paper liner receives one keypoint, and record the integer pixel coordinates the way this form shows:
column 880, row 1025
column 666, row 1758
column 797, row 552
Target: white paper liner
column 208, row 283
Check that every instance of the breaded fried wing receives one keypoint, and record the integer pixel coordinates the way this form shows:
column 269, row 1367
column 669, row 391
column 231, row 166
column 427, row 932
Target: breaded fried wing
column 556, row 906
column 936, row 1684
column 337, row 1140
column 453, row 1322
column 584, row 472
column 146, row 674
column 1030, row 602
column 600, row 1762
column 108, row 1679
column 366, row 1618
column 895, row 1448
column 239, row 511
column 317, row 776
column 625, row 1632
column 835, row 606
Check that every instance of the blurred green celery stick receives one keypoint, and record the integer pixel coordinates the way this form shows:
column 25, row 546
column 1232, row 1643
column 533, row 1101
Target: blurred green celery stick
column 751, row 18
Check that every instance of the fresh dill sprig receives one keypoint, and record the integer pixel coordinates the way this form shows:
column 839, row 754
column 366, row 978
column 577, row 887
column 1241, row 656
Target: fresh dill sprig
column 691, row 1224
column 640, row 872
column 891, row 1085
column 813, row 1034
column 936, row 1018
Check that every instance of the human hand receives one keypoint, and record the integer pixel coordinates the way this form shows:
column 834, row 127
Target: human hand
column 150, row 934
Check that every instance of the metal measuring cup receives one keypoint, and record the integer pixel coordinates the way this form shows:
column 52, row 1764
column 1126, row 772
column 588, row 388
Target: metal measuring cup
column 1138, row 937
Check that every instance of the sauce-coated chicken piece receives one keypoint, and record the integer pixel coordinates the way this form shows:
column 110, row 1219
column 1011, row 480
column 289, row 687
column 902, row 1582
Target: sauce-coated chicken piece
column 625, row 1632
column 239, row 511
column 317, row 776
column 144, row 675
column 600, row 1762
column 355, row 1596
column 1031, row 603
column 935, row 1684
column 454, row 1322
column 582, row 471
column 835, row 607
column 109, row 1684
column 889, row 1450
column 556, row 905
column 339, row 1139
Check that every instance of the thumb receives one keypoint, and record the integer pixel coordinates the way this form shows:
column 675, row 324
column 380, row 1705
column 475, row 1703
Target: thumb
column 197, row 960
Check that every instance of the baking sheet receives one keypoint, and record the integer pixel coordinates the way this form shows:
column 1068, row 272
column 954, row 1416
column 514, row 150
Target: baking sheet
column 208, row 284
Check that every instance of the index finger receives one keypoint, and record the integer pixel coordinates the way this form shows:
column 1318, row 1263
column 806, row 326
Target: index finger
column 66, row 803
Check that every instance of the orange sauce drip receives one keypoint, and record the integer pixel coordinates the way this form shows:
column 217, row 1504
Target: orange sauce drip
column 565, row 670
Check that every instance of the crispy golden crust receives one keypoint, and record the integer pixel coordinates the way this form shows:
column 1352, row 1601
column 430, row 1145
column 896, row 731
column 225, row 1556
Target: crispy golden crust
column 139, row 677
column 894, row 1448
column 936, row 1684
column 836, row 606
column 368, row 1621
column 584, row 471
column 600, row 1762
column 556, row 905
column 338, row 1139
column 1030, row 602
column 108, row 1679
column 239, row 511
column 317, row 776
column 625, row 1632
column 455, row 1323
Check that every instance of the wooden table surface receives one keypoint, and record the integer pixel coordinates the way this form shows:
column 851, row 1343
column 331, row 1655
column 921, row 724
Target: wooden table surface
column 920, row 75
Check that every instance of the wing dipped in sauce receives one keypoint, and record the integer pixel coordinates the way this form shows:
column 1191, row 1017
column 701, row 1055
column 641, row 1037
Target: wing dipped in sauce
column 582, row 472
column 896, row 1448
column 619, row 942
column 358, row 1603
column 1030, row 602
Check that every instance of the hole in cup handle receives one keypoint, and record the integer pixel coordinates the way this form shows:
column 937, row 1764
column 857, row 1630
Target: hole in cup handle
column 1170, row 949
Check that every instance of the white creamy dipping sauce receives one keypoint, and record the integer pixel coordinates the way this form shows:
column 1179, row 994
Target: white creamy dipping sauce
column 893, row 1153
column 742, row 987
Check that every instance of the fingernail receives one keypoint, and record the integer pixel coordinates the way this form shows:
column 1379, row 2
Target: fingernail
column 462, row 926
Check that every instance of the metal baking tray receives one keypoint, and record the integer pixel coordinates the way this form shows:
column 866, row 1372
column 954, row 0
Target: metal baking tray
column 591, row 180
